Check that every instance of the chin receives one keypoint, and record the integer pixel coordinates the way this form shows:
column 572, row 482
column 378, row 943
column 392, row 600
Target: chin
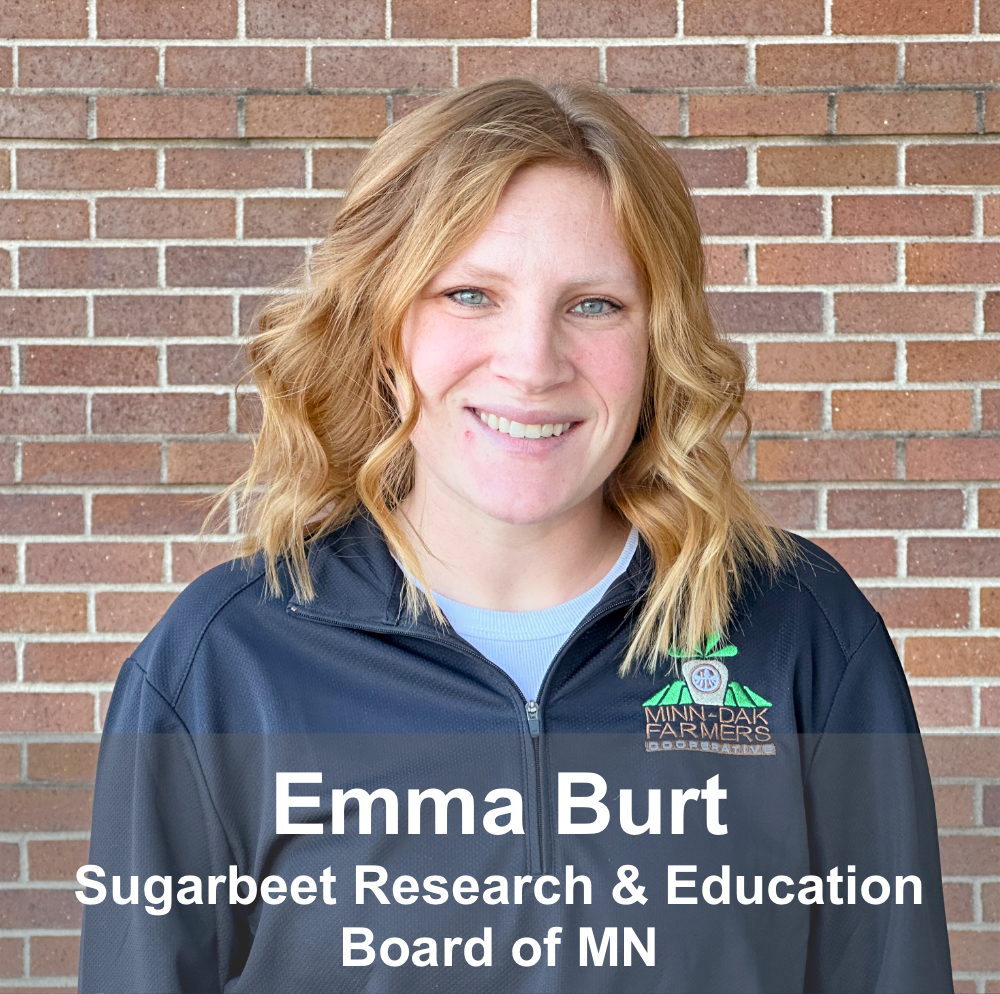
column 521, row 505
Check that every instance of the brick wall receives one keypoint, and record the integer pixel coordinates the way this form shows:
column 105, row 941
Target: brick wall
column 162, row 163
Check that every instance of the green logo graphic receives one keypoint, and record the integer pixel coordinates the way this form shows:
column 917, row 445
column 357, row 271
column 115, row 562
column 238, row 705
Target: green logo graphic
column 705, row 680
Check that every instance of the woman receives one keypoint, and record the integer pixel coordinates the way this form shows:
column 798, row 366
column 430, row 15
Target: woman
column 503, row 597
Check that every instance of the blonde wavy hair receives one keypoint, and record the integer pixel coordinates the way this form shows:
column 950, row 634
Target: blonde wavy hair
column 332, row 444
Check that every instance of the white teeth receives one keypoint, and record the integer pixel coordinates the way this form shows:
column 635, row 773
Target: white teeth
column 517, row 430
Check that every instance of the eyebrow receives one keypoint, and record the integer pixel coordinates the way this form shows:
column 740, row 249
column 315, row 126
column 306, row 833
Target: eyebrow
column 477, row 273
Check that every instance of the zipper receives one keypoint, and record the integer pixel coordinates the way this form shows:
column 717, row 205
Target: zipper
column 532, row 710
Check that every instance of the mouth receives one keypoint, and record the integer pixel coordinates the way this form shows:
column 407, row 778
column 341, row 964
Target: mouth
column 517, row 429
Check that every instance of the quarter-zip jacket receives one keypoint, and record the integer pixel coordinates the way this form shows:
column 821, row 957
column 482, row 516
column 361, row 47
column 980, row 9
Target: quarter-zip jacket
column 802, row 712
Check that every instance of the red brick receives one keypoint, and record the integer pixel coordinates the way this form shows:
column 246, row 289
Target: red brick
column 236, row 67
column 957, row 903
column 85, row 168
column 86, row 268
column 953, row 62
column 963, row 755
column 334, row 167
column 43, row 117
column 991, row 215
column 902, row 215
column 992, row 113
column 676, row 65
column 825, row 65
column 948, row 361
column 42, row 414
column 8, row 562
column 929, row 113
column 91, row 462
column 244, row 266
column 43, row 219
column 855, row 263
column 166, row 117
column 862, row 556
column 758, row 114
column 901, row 410
column 4, row 170
column 43, row 19
column 755, row 215
column 6, row 68
column 791, row 509
column 55, row 955
column 131, row 612
column 63, row 762
column 288, row 217
column 989, row 607
column 939, row 707
column 954, row 262
column 215, row 364
column 472, row 19
column 710, row 167
column 314, row 117
column 596, row 19
column 11, row 950
column 785, row 410
column 861, row 17
column 991, row 906
column 315, row 19
column 87, row 66
column 88, row 365
column 968, row 855
column 991, row 806
column 5, row 270
column 658, row 113
column 815, row 362
column 725, row 265
column 147, row 514
column 991, row 312
column 753, row 17
column 43, row 317
column 940, row 656
column 895, row 508
column 989, row 508
column 206, row 462
column 94, row 562
column 821, row 459
column 953, row 165
column 56, row 859
column 191, row 559
column 989, row 16
column 155, row 414
column 974, row 950
column 248, row 413
column 41, row 514
column 953, row 459
column 234, row 168
column 48, row 712
column 990, row 706
column 740, row 313
column 953, row 556
column 74, row 662
column 163, row 316
column 5, row 373
column 155, row 19
column 428, row 67
column 166, row 218
column 40, row 908
column 34, row 612
column 8, row 673
column 904, row 313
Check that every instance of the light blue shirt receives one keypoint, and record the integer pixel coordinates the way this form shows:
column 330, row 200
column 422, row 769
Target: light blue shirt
column 524, row 643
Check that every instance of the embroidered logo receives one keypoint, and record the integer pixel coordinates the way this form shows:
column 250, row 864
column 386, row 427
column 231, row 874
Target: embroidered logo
column 707, row 711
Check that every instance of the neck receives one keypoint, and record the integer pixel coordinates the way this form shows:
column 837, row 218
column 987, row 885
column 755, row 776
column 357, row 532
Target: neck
column 477, row 560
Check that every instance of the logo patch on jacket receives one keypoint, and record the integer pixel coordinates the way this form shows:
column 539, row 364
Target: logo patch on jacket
column 706, row 710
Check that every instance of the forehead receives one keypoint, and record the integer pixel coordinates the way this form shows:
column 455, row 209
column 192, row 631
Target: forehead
column 551, row 220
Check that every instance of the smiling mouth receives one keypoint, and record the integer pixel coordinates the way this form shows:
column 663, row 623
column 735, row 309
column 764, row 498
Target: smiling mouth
column 518, row 430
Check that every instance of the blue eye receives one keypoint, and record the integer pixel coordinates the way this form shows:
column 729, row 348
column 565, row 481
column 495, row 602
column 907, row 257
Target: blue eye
column 470, row 298
column 596, row 307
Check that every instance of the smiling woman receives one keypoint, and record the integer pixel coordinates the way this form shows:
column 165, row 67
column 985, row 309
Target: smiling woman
column 497, row 555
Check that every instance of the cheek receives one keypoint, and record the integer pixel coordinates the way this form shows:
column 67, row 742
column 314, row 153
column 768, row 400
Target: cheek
column 440, row 358
column 616, row 366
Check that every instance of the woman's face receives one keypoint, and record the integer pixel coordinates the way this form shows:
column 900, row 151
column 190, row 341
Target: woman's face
column 529, row 355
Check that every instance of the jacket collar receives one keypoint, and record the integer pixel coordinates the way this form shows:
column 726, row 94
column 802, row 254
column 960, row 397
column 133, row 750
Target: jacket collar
column 359, row 584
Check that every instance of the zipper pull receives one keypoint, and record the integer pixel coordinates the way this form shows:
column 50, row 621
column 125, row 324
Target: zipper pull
column 531, row 709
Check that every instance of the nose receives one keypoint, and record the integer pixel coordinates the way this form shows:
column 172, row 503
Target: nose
column 530, row 350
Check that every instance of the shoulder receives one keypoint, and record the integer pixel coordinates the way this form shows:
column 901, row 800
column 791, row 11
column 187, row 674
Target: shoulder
column 825, row 587
column 166, row 654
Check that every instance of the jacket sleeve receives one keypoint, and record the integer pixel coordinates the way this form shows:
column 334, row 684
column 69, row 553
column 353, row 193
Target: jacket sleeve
column 153, row 816
column 871, row 813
